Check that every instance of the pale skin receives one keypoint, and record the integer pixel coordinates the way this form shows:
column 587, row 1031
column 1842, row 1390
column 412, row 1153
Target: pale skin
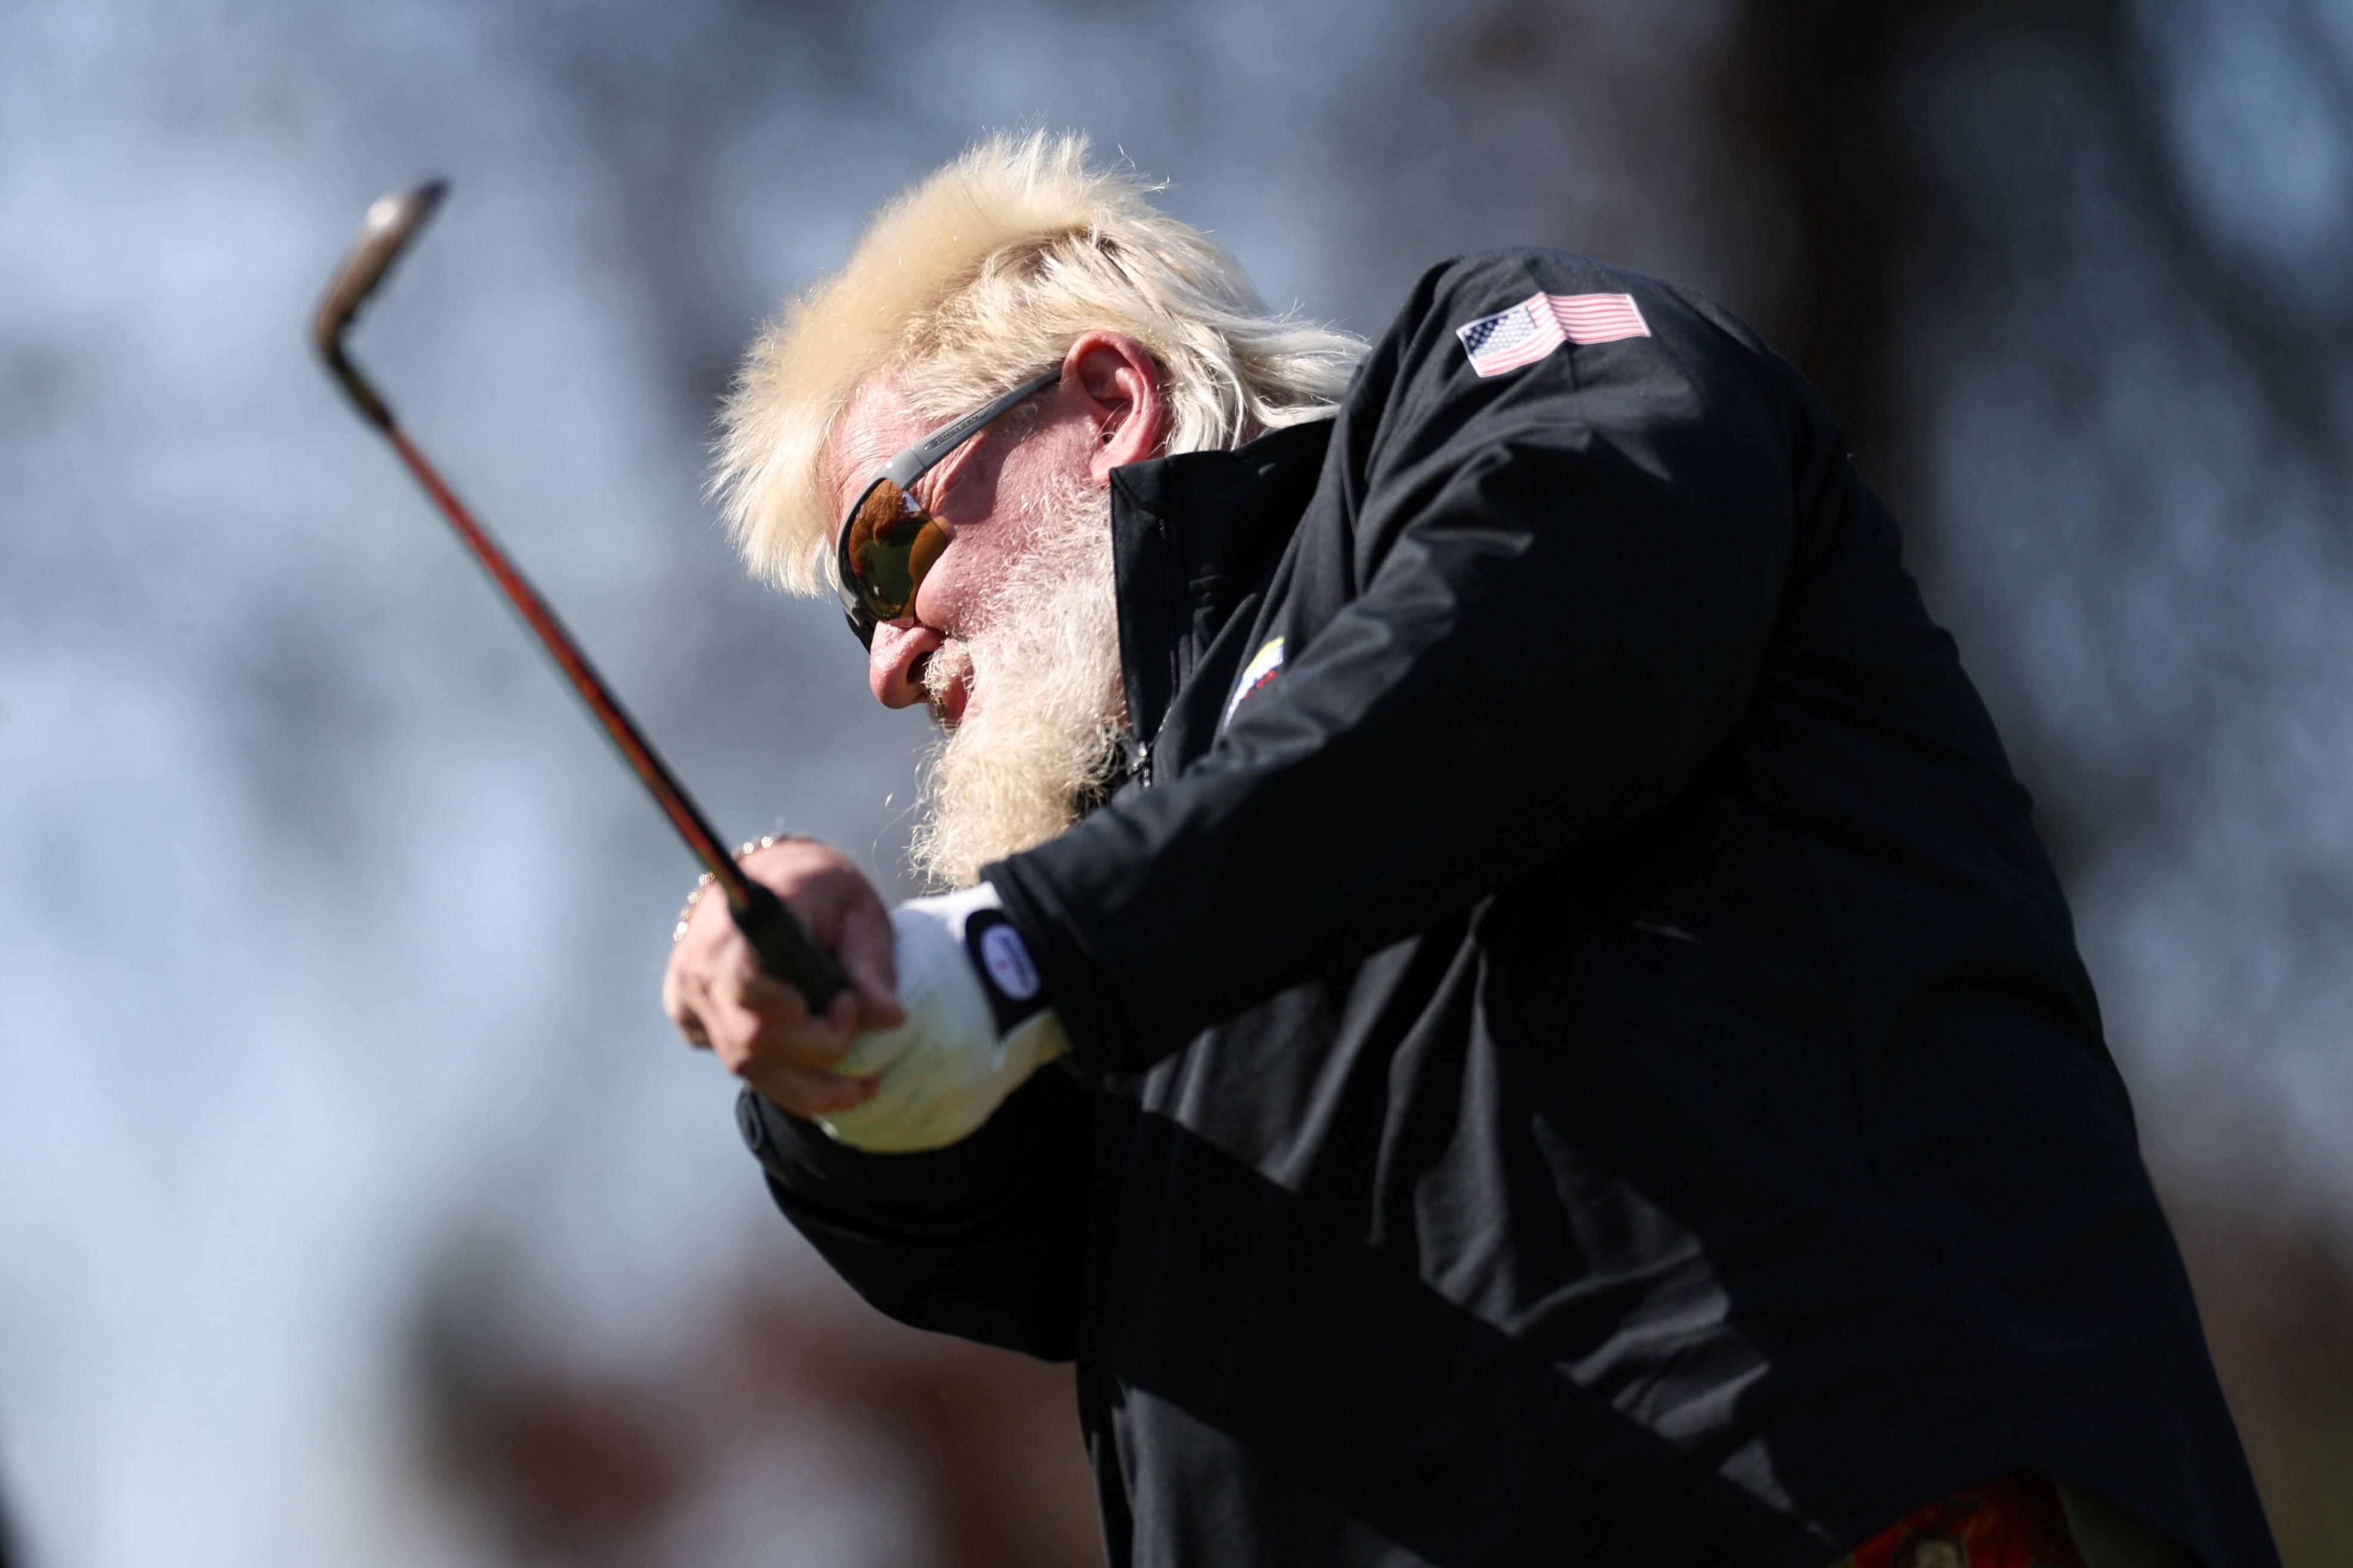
column 1106, row 413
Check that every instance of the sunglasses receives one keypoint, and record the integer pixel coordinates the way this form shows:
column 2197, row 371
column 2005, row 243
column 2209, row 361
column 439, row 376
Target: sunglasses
column 888, row 541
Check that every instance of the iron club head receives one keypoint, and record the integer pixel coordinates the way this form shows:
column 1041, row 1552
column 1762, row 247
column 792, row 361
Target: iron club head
column 384, row 234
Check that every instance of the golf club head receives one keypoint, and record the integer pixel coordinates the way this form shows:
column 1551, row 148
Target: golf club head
column 384, row 234
column 386, row 230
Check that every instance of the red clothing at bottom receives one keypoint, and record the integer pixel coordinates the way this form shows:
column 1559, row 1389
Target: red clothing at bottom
column 2010, row 1522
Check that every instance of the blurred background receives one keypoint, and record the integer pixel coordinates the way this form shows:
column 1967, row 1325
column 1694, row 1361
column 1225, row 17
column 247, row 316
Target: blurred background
column 356, row 1204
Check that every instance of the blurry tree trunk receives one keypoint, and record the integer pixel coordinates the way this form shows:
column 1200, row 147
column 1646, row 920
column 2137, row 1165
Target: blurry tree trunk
column 1806, row 87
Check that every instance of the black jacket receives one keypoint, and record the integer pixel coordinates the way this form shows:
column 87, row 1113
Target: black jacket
column 1587, row 1062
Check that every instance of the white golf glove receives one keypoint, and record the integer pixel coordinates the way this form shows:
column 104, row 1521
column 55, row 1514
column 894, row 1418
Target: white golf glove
column 977, row 1027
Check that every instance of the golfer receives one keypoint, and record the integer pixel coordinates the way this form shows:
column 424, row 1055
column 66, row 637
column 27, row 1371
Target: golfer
column 1494, row 988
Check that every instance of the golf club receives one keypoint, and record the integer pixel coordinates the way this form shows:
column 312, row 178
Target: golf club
column 784, row 948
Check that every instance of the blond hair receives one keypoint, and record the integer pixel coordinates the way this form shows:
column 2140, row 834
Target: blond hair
column 981, row 275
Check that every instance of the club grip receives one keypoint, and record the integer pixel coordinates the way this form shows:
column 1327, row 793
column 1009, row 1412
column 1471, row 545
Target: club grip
column 784, row 948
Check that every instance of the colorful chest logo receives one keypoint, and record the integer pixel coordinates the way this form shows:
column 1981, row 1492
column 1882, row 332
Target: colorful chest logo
column 1542, row 322
column 1263, row 666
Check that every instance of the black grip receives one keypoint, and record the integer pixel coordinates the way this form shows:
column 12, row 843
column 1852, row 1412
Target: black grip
column 785, row 949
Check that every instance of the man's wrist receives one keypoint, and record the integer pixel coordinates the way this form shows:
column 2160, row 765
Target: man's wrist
column 1000, row 955
column 1091, row 1009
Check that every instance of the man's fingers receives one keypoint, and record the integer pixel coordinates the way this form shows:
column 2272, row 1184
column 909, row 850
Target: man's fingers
column 841, row 1016
column 696, row 1008
column 777, row 1001
column 868, row 957
column 758, row 1024
column 787, row 1013
column 763, row 1028
column 749, row 1045
column 683, row 995
column 841, row 909
column 678, row 1010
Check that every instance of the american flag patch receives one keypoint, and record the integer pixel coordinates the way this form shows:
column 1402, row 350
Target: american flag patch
column 1542, row 322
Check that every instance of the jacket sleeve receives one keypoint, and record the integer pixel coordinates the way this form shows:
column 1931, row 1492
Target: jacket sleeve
column 983, row 1240
column 1558, row 586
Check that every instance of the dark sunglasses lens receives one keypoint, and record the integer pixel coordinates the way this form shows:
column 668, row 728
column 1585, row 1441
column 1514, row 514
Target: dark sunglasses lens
column 887, row 548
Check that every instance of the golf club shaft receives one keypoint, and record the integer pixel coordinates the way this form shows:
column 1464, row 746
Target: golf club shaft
column 784, row 948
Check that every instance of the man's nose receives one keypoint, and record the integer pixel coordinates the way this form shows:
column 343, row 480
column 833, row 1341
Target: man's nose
column 894, row 663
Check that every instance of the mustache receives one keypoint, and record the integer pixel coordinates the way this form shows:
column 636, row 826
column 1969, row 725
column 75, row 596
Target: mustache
column 939, row 669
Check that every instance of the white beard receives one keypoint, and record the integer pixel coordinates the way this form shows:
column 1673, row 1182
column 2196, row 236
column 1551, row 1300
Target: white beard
column 1046, row 708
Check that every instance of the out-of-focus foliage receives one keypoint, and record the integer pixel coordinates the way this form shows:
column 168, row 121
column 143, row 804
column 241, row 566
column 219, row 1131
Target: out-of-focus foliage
column 354, row 1206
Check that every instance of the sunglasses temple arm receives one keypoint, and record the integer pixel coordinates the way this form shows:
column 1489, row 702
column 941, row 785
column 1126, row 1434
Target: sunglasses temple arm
column 912, row 464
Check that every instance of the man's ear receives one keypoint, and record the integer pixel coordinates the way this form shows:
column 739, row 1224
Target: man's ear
column 1120, row 384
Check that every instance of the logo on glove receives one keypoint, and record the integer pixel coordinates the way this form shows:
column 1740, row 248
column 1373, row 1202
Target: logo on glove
column 1016, row 990
column 1006, row 961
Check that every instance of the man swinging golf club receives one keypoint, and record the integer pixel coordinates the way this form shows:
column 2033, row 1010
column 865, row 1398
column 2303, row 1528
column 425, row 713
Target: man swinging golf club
column 1563, row 1045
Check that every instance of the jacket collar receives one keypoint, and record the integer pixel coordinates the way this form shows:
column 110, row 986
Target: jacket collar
column 1190, row 535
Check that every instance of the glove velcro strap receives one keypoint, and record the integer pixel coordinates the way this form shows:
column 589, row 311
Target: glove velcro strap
column 1017, row 992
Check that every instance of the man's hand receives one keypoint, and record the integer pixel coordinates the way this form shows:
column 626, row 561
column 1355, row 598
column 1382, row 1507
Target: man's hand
column 760, row 1027
column 978, row 1024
